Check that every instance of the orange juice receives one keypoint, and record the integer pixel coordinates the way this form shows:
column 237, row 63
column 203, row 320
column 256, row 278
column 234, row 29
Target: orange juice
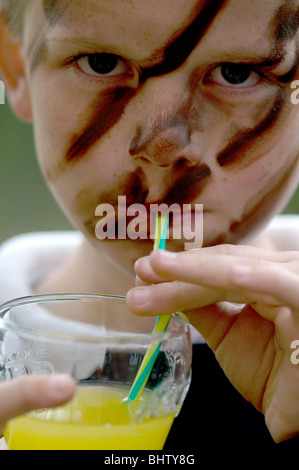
column 97, row 418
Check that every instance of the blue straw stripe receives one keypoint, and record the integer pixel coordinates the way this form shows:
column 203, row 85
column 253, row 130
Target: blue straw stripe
column 161, row 325
column 162, row 242
column 142, row 379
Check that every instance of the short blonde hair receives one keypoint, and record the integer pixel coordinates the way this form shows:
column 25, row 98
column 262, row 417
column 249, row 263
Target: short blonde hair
column 12, row 11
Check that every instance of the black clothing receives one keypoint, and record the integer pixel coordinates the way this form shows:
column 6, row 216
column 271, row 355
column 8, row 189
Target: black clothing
column 216, row 420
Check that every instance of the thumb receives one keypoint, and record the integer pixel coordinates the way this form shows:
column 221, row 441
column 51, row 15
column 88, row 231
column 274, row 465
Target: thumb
column 25, row 394
column 214, row 321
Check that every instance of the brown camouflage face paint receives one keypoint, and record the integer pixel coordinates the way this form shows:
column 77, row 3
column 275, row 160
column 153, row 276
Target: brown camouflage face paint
column 258, row 211
column 285, row 28
column 109, row 108
column 135, row 189
column 286, row 21
column 189, row 185
column 262, row 208
column 178, row 51
column 131, row 185
column 233, row 153
column 112, row 103
column 285, row 25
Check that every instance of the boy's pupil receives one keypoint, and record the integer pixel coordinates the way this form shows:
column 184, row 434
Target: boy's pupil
column 235, row 73
column 103, row 63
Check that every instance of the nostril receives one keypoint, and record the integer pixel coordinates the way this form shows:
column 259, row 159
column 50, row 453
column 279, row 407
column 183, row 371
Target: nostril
column 181, row 163
column 143, row 159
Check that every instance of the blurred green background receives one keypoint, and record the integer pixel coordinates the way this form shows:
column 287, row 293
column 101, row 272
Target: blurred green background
column 26, row 204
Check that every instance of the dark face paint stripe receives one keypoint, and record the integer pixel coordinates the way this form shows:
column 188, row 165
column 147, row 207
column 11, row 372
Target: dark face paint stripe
column 289, row 76
column 262, row 209
column 189, row 186
column 135, row 189
column 285, row 27
column 233, row 153
column 180, row 49
column 286, row 21
column 109, row 108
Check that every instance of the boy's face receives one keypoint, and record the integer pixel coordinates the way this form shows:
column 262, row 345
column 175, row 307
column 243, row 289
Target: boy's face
column 176, row 101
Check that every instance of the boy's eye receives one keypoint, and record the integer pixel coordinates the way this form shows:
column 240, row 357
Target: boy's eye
column 102, row 65
column 236, row 75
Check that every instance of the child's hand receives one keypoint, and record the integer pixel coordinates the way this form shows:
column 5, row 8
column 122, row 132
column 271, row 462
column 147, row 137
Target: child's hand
column 29, row 393
column 252, row 341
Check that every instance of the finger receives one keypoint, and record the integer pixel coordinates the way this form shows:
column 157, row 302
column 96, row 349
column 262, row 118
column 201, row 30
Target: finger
column 145, row 272
column 268, row 279
column 206, row 270
column 284, row 322
column 163, row 265
column 168, row 297
column 210, row 270
column 245, row 251
column 257, row 279
column 217, row 272
column 3, row 445
column 164, row 298
column 22, row 395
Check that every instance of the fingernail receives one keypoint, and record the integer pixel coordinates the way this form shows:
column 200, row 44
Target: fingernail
column 61, row 384
column 138, row 263
column 141, row 296
column 144, row 264
column 241, row 272
column 168, row 256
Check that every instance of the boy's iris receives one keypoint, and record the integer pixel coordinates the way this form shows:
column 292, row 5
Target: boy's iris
column 103, row 63
column 235, row 74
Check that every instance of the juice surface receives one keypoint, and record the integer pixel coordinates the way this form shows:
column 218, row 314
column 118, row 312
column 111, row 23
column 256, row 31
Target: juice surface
column 96, row 419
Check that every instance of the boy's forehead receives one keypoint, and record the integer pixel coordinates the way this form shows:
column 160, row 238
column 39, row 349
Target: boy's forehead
column 56, row 9
column 284, row 13
column 127, row 15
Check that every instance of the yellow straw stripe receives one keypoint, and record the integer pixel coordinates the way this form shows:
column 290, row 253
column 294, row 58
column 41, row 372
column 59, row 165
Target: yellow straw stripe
column 161, row 325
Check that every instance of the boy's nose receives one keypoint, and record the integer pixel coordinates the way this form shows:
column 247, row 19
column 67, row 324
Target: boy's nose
column 163, row 148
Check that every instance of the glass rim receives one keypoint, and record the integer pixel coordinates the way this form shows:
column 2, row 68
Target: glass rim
column 8, row 325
